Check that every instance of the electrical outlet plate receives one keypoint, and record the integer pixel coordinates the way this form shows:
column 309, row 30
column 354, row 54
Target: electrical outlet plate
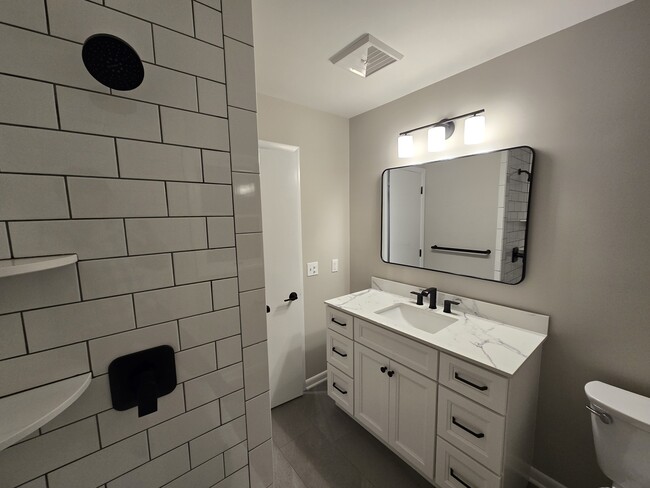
column 335, row 265
column 312, row 268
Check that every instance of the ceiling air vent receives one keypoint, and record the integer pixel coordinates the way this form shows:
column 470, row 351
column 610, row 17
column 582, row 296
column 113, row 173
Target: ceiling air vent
column 365, row 56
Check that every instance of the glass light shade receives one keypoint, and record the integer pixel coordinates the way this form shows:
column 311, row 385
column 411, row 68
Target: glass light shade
column 437, row 138
column 474, row 129
column 405, row 147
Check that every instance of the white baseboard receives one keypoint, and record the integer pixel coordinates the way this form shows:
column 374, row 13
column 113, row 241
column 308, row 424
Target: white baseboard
column 542, row 480
column 315, row 380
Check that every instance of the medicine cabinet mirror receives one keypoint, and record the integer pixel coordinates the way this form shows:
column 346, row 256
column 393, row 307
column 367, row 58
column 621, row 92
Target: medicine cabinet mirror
column 466, row 216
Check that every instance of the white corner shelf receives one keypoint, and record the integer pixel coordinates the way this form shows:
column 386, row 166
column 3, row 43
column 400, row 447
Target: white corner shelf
column 25, row 412
column 13, row 267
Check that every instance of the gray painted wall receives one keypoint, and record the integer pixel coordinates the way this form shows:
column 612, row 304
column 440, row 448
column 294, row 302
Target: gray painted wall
column 324, row 182
column 140, row 185
column 580, row 99
column 470, row 188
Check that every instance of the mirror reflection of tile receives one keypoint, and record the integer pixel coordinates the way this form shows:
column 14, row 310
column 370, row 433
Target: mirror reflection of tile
column 464, row 216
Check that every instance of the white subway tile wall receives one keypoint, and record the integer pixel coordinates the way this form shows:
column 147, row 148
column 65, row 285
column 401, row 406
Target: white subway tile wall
column 235, row 458
column 139, row 185
column 256, row 369
column 261, row 465
column 240, row 66
column 216, row 166
column 232, row 406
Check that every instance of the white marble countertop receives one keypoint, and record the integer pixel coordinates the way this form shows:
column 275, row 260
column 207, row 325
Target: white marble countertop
column 495, row 345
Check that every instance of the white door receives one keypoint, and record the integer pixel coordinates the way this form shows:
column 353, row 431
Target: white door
column 413, row 417
column 280, row 192
column 406, row 216
column 371, row 389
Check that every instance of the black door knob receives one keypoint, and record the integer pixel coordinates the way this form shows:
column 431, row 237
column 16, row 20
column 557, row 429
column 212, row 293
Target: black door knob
column 292, row 296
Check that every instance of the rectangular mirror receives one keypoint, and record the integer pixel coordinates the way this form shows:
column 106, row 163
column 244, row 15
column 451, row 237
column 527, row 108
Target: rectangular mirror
column 466, row 216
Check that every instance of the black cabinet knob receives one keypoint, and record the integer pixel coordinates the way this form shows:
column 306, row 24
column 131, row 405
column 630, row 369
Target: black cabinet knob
column 383, row 369
column 390, row 374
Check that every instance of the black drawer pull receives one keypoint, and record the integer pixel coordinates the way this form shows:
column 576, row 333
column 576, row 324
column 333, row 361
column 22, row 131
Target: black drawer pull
column 480, row 435
column 453, row 475
column 342, row 391
column 342, row 354
column 342, row 324
column 460, row 378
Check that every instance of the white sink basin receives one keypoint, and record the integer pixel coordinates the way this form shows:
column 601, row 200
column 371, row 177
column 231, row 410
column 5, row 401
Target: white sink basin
column 419, row 318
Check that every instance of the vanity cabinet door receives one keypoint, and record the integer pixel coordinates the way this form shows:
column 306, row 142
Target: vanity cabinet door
column 412, row 429
column 371, row 390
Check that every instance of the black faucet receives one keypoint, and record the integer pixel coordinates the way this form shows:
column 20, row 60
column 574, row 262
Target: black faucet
column 432, row 293
column 448, row 304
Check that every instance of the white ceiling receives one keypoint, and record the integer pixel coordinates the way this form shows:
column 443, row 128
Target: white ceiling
column 294, row 40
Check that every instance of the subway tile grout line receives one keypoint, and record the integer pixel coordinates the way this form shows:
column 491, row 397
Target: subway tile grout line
column 174, row 144
column 238, row 40
column 202, row 2
column 112, row 94
column 56, row 107
column 9, row 242
column 22, row 324
column 47, row 17
column 115, row 178
column 143, row 20
column 193, row 20
column 134, row 293
column 153, row 44
column 117, row 158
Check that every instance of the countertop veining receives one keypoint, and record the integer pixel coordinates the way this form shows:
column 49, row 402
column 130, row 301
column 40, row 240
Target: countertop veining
column 495, row 345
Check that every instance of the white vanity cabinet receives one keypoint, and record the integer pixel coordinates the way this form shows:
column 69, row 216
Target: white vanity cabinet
column 459, row 424
column 396, row 404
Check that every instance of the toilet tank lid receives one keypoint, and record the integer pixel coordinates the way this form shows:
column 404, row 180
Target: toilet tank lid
column 620, row 403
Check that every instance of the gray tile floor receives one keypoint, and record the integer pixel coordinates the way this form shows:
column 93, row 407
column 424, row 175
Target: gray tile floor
column 317, row 445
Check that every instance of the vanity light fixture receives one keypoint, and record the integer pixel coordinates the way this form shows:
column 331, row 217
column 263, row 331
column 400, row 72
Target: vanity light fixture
column 442, row 130
column 405, row 146
column 436, row 138
column 474, row 129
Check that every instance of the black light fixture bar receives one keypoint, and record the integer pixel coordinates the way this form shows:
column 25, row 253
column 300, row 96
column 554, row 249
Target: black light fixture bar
column 443, row 122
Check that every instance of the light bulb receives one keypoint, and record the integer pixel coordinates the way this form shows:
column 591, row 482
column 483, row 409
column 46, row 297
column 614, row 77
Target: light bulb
column 405, row 146
column 436, row 138
column 474, row 129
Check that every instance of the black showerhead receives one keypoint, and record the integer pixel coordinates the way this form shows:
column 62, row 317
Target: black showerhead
column 112, row 62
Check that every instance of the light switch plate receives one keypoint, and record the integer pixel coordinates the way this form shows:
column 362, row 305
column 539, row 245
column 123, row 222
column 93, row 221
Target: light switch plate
column 335, row 265
column 312, row 268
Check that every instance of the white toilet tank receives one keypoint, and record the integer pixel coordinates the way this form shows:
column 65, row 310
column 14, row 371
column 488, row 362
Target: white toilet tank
column 623, row 445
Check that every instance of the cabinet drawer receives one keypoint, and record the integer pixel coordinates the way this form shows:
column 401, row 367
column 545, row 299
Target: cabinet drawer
column 474, row 382
column 474, row 429
column 411, row 354
column 340, row 387
column 456, row 470
column 341, row 322
column 340, row 352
